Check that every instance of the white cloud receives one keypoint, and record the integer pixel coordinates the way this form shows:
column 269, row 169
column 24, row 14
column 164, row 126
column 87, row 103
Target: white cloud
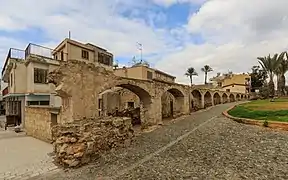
column 235, row 33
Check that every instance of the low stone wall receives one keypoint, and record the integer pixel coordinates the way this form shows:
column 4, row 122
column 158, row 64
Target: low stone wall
column 38, row 122
column 78, row 143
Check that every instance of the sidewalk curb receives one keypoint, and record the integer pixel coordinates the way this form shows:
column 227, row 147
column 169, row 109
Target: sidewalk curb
column 271, row 124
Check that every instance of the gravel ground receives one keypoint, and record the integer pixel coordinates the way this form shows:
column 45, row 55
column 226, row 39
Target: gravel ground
column 205, row 145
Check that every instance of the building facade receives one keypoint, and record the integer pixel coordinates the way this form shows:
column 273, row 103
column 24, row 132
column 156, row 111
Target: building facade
column 240, row 83
column 145, row 73
column 25, row 72
column 71, row 49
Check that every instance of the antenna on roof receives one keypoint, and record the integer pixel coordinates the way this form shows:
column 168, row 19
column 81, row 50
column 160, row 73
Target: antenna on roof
column 140, row 48
column 69, row 34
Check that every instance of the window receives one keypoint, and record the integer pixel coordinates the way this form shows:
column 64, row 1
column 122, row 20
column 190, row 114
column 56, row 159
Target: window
column 54, row 119
column 40, row 75
column 104, row 59
column 85, row 54
column 227, row 90
column 130, row 104
column 62, row 55
column 149, row 75
column 37, row 103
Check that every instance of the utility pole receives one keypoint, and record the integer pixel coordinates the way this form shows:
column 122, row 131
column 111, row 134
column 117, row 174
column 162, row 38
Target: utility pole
column 140, row 48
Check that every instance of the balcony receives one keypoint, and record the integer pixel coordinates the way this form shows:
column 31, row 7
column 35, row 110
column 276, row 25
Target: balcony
column 34, row 49
column 13, row 54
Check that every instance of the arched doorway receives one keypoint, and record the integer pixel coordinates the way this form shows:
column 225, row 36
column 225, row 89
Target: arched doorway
column 224, row 98
column 119, row 99
column 242, row 97
column 207, row 99
column 238, row 97
column 196, row 100
column 232, row 98
column 216, row 98
column 172, row 102
column 140, row 115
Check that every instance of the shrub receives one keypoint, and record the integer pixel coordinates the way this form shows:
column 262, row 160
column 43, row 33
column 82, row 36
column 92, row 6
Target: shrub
column 265, row 123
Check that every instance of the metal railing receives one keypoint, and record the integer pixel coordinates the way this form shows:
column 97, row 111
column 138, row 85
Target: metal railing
column 13, row 54
column 38, row 50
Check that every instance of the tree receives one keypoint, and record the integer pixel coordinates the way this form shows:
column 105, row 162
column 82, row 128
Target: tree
column 190, row 73
column 270, row 64
column 258, row 77
column 206, row 69
column 280, row 72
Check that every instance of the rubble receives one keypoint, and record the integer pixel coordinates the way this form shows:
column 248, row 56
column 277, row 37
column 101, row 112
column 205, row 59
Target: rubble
column 77, row 143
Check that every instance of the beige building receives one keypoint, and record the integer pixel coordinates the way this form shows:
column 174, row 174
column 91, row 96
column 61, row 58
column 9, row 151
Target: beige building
column 144, row 73
column 233, row 82
column 70, row 49
column 25, row 72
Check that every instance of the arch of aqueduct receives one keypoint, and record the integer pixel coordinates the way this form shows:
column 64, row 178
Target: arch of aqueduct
column 79, row 85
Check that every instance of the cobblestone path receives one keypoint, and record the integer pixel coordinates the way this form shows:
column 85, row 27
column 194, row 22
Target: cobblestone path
column 205, row 145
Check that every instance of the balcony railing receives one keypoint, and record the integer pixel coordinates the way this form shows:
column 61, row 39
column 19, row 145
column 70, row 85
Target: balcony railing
column 13, row 54
column 38, row 50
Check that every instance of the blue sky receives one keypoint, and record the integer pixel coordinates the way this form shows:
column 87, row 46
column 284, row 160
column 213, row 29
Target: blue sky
column 176, row 34
column 154, row 15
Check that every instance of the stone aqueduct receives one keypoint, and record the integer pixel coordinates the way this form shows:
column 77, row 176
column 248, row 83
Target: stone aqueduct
column 79, row 85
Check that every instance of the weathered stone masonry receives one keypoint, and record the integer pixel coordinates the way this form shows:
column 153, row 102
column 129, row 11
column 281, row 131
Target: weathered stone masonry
column 79, row 85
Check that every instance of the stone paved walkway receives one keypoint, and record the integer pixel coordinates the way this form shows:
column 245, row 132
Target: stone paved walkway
column 23, row 157
column 202, row 146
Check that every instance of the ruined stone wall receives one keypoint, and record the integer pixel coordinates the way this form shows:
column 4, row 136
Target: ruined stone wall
column 128, row 96
column 111, row 101
column 79, row 85
column 38, row 123
column 78, row 143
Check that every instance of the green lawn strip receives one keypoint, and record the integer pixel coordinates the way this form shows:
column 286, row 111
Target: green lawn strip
column 244, row 112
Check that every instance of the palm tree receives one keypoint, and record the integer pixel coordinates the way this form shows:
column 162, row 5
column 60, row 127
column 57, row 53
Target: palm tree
column 270, row 65
column 190, row 73
column 280, row 72
column 206, row 69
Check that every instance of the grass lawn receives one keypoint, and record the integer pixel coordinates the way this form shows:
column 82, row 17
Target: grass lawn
column 263, row 110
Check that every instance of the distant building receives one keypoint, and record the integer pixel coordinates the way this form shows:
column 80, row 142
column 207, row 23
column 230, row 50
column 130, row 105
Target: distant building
column 144, row 73
column 233, row 82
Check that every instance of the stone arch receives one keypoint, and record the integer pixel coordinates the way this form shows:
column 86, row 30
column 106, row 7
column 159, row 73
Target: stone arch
column 238, row 97
column 207, row 99
column 117, row 98
column 232, row 98
column 196, row 101
column 224, row 98
column 172, row 101
column 144, row 111
column 216, row 98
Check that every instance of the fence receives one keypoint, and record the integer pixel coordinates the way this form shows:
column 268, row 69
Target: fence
column 38, row 50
